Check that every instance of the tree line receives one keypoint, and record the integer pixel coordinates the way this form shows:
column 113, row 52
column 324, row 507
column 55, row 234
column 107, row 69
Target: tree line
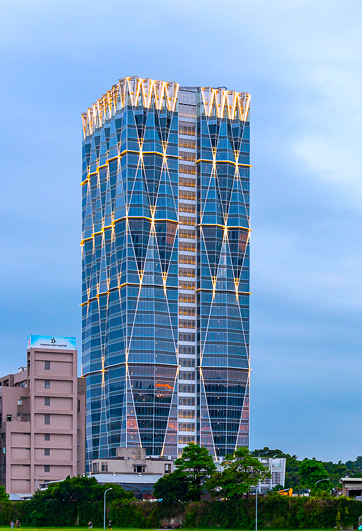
column 196, row 474
column 197, row 493
column 334, row 471
column 75, row 501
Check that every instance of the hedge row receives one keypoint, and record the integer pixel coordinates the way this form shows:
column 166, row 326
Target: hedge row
column 274, row 512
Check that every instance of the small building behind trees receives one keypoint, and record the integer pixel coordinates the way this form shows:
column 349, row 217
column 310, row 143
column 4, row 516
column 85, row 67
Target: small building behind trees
column 351, row 487
column 276, row 467
column 132, row 470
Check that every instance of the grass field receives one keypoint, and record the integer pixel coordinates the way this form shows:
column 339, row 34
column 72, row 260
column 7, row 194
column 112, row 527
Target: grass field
column 131, row 529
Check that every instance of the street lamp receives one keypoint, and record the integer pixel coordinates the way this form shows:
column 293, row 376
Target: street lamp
column 256, row 506
column 104, row 508
column 319, row 480
column 37, row 479
column 256, row 491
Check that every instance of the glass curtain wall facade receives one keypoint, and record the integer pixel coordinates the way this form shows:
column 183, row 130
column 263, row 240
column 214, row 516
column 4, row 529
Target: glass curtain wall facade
column 165, row 268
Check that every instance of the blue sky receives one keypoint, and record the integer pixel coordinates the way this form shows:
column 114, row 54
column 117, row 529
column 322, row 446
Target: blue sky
column 301, row 62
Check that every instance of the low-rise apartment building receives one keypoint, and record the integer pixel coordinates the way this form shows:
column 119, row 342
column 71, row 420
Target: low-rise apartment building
column 133, row 470
column 132, row 461
column 42, row 417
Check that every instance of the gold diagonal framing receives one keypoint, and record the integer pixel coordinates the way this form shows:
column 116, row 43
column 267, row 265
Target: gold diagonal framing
column 242, row 409
column 169, row 413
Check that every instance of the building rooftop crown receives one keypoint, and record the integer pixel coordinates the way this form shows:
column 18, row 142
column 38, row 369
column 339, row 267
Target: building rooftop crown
column 137, row 91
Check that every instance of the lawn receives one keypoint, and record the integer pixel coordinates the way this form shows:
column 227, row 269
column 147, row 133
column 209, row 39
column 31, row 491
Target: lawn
column 132, row 529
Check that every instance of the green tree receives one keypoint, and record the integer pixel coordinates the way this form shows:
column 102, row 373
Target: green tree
column 4, row 497
column 197, row 465
column 312, row 471
column 335, row 471
column 354, row 467
column 172, row 488
column 72, row 502
column 71, row 490
column 240, row 472
column 82, row 489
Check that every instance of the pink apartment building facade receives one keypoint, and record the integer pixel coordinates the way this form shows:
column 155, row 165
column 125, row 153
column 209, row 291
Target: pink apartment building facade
column 42, row 417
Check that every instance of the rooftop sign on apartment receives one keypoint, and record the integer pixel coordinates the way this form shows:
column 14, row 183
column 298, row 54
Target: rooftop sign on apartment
column 50, row 342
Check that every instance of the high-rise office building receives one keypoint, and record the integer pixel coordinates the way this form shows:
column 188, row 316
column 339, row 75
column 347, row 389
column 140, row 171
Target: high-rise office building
column 165, row 248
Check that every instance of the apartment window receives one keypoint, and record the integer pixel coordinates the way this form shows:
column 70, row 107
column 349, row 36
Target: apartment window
column 104, row 467
column 47, row 468
column 186, row 426
column 186, row 414
column 191, row 183
column 187, row 260
column 186, row 272
column 187, row 110
column 187, row 155
column 186, row 324
column 46, row 418
column 186, row 388
column 8, row 418
column 186, row 349
column 186, row 311
column 47, row 401
column 188, row 234
column 46, row 436
column 187, row 362
column 139, row 469
column 187, row 129
column 189, row 170
column 186, row 401
column 186, row 337
column 277, row 478
column 46, row 451
column 186, row 375
column 168, row 468
column 95, row 467
column 187, row 143
column 186, row 439
column 47, row 384
column 190, row 209
column 20, row 402
column 47, row 365
column 187, row 221
column 189, row 298
column 189, row 196
column 188, row 247
column 184, row 284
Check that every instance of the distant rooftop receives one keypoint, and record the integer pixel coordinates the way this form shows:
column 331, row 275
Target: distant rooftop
column 130, row 479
